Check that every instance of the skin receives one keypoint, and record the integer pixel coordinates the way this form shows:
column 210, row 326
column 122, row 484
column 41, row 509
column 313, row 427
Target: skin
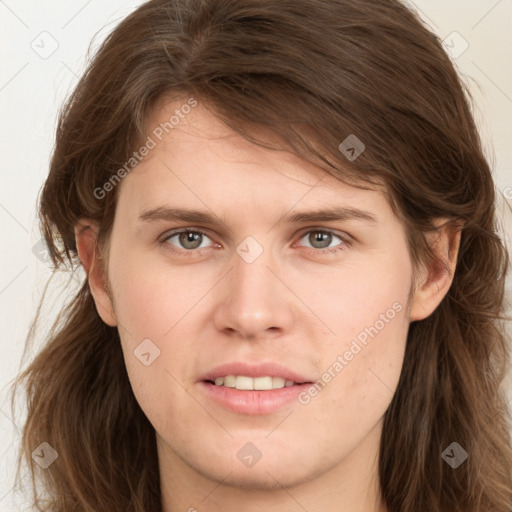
column 296, row 304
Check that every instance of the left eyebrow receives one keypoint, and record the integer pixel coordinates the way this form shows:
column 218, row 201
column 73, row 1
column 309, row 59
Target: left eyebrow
column 329, row 214
column 204, row 217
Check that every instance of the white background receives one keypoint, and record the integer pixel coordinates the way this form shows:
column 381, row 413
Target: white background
column 32, row 88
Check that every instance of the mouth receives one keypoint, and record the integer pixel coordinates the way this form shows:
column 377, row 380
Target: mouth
column 253, row 389
column 246, row 383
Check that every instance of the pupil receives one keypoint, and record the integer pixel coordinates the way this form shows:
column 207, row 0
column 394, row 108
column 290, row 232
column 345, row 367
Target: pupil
column 189, row 239
column 322, row 237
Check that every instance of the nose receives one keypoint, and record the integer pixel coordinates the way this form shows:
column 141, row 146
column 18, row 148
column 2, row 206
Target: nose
column 255, row 302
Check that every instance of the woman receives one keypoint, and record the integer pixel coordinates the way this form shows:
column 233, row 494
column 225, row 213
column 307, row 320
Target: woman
column 294, row 280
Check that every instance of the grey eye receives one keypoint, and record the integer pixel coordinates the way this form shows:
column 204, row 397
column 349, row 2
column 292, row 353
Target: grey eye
column 319, row 239
column 189, row 240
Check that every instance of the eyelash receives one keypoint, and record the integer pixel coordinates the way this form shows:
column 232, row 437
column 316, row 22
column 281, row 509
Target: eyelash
column 341, row 247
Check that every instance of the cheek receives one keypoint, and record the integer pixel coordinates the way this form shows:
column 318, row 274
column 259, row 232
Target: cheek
column 151, row 298
column 361, row 362
column 151, row 314
column 365, row 293
column 154, row 306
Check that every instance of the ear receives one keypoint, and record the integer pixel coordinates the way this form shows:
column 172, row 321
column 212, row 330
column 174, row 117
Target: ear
column 434, row 283
column 86, row 232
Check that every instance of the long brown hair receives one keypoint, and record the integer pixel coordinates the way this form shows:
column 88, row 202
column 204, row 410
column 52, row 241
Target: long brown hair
column 310, row 73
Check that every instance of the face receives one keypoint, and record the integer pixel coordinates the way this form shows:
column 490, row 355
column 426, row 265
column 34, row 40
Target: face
column 225, row 272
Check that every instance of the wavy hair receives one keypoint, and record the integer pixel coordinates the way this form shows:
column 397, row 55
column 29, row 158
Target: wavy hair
column 309, row 73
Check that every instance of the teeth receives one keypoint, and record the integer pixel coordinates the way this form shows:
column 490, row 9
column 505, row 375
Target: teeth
column 277, row 382
column 262, row 383
column 230, row 381
column 243, row 382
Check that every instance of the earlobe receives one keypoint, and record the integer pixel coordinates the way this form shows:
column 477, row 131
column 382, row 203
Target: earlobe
column 89, row 253
column 435, row 282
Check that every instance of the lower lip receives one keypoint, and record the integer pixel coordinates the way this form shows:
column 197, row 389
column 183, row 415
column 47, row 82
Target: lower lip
column 253, row 402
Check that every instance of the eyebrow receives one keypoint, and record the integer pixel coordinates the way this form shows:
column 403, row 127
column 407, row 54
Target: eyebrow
column 204, row 217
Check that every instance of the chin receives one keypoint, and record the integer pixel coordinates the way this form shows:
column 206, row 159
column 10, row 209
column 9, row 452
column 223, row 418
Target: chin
column 274, row 472
column 263, row 478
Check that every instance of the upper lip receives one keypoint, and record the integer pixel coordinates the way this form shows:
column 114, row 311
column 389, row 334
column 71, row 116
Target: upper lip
column 254, row 370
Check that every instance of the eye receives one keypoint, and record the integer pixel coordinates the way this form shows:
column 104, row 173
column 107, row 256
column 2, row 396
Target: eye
column 187, row 240
column 322, row 239
column 194, row 240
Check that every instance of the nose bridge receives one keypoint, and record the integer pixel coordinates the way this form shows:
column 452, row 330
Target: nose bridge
column 255, row 300
column 252, row 279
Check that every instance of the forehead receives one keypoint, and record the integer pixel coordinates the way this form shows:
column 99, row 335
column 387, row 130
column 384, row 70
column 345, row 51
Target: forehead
column 196, row 157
